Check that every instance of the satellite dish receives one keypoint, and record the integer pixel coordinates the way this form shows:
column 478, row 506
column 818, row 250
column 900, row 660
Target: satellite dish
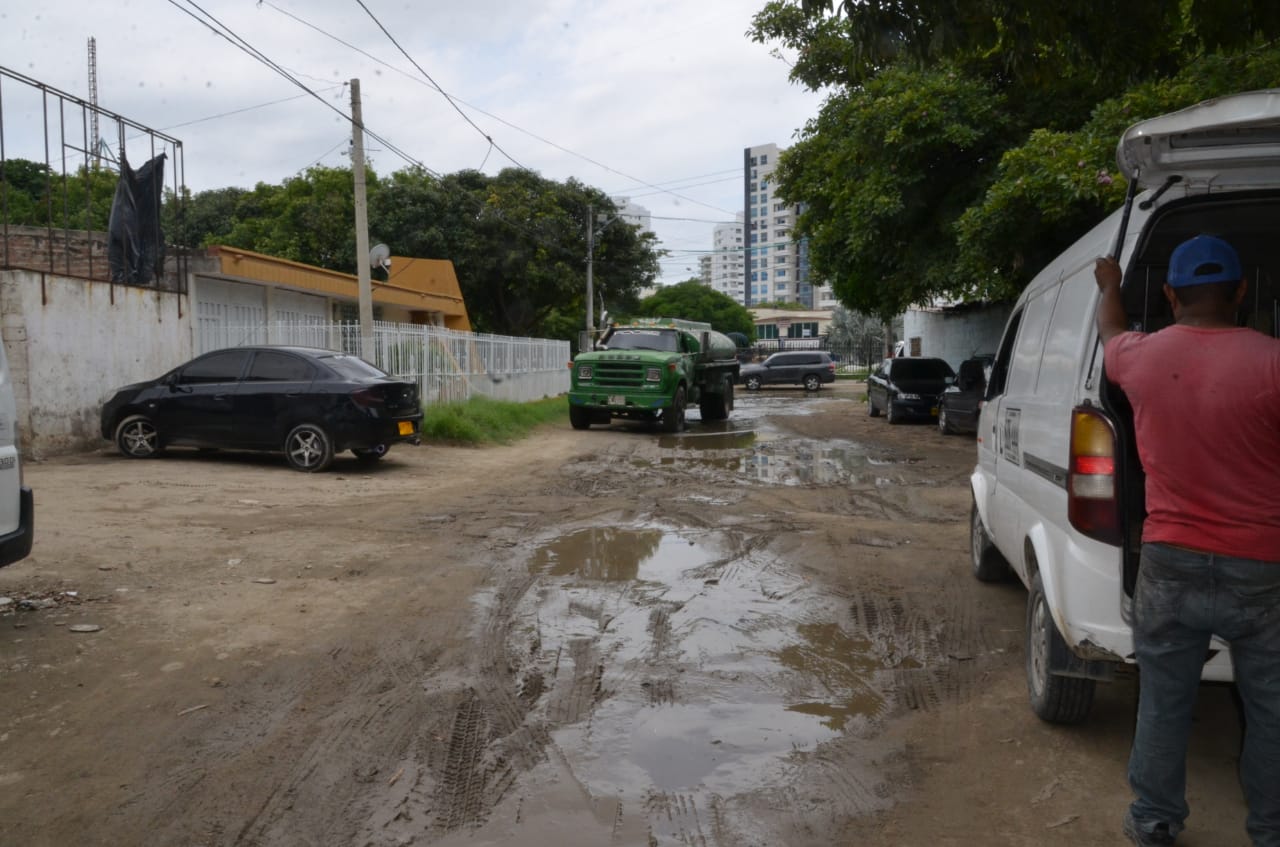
column 380, row 257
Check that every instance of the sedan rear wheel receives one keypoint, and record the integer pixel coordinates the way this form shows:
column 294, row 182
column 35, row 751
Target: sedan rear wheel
column 137, row 437
column 308, row 448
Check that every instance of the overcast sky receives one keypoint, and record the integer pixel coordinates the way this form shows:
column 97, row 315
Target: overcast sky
column 630, row 97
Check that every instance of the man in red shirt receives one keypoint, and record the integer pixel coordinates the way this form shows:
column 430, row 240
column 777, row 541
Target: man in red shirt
column 1206, row 403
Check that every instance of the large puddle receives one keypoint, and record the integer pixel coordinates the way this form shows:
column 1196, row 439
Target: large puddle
column 756, row 456
column 714, row 668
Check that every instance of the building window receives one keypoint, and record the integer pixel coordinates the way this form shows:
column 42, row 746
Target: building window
column 780, row 272
column 764, row 198
column 764, row 263
column 782, row 286
column 766, row 331
column 753, row 238
column 753, row 160
column 764, row 160
column 753, row 199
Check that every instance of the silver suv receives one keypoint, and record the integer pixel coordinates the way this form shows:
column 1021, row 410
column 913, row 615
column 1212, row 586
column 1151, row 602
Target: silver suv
column 810, row 368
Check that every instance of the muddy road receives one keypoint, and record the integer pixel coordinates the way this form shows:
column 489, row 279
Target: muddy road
column 759, row 634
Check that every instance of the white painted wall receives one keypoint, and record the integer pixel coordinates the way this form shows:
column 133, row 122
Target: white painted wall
column 71, row 342
column 957, row 335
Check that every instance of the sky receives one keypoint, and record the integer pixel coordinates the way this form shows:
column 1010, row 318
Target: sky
column 653, row 100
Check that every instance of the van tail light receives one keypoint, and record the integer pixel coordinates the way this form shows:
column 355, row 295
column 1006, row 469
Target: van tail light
column 1093, row 502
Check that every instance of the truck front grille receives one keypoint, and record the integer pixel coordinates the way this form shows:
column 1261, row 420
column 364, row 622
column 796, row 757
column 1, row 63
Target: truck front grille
column 619, row 374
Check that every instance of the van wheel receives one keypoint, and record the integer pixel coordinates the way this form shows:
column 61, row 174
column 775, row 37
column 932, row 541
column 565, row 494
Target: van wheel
column 308, row 448
column 872, row 410
column 811, row 382
column 579, row 418
column 988, row 564
column 137, row 438
column 1056, row 699
column 891, row 413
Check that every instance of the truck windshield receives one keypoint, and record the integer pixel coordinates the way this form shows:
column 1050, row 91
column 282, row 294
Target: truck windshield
column 663, row 340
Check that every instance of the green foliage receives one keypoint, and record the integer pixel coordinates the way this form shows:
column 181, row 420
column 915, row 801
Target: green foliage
column 693, row 301
column 481, row 420
column 966, row 142
column 1056, row 185
column 787, row 305
column 912, row 149
column 35, row 195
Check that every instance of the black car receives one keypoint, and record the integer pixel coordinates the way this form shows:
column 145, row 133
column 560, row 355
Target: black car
column 305, row 402
column 907, row 387
column 810, row 369
column 959, row 404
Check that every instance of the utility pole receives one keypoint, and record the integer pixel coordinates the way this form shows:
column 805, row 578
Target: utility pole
column 362, row 227
column 591, row 245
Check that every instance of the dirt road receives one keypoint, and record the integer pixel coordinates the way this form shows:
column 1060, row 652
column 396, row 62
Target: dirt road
column 762, row 634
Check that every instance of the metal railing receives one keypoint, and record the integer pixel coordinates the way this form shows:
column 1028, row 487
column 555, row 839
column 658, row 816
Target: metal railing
column 448, row 365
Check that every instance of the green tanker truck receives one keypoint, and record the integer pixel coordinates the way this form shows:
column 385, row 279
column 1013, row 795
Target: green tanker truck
column 651, row 369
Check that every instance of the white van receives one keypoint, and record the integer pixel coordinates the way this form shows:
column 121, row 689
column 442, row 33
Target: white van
column 1058, row 494
column 17, row 507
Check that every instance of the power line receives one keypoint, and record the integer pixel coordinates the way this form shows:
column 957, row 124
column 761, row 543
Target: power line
column 505, row 122
column 493, row 144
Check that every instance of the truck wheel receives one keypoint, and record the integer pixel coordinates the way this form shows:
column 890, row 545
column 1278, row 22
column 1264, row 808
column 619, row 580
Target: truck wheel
column 811, row 382
column 673, row 415
column 716, row 407
column 579, row 418
column 988, row 564
column 752, row 383
column 1056, row 699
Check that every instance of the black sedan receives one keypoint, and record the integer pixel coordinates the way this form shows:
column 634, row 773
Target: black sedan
column 305, row 402
column 959, row 404
column 907, row 387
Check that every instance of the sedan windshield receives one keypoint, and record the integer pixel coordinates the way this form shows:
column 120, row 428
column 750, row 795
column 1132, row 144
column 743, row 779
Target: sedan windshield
column 663, row 340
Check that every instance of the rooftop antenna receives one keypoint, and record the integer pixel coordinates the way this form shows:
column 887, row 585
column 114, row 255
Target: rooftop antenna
column 96, row 139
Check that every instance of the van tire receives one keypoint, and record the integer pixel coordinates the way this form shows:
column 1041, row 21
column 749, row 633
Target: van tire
column 872, row 411
column 988, row 564
column 891, row 413
column 944, row 424
column 1055, row 699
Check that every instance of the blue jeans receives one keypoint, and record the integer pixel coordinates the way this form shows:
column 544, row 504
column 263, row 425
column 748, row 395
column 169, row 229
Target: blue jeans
column 1183, row 597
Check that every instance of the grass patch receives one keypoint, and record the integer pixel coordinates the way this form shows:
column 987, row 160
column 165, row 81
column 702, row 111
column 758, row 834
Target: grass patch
column 481, row 420
column 860, row 374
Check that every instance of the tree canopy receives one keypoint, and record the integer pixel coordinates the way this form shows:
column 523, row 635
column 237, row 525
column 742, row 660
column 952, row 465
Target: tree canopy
column 694, row 301
column 963, row 143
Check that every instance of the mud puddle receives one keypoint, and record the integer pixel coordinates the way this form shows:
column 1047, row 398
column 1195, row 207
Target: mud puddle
column 691, row 667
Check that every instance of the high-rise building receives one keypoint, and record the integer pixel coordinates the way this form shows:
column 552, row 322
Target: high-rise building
column 726, row 260
column 776, row 267
column 633, row 213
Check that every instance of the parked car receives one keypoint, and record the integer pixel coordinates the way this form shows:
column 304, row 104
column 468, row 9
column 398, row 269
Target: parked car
column 959, row 403
column 810, row 368
column 17, row 505
column 304, row 402
column 907, row 387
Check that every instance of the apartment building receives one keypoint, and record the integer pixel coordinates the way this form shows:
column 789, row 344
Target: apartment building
column 726, row 262
column 775, row 267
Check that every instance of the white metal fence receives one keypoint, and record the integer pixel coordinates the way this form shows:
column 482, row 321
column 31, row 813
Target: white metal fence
column 448, row 365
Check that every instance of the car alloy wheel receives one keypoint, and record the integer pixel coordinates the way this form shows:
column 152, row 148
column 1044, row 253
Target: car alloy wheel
column 137, row 437
column 812, row 383
column 752, row 383
column 308, row 448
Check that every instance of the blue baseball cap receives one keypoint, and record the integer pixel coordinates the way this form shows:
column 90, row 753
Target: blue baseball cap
column 1203, row 260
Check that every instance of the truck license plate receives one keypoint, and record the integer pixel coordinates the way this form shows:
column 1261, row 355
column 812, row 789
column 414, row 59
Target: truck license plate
column 617, row 400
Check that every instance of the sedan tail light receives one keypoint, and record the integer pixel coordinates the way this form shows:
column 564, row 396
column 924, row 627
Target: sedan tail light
column 1093, row 502
column 368, row 398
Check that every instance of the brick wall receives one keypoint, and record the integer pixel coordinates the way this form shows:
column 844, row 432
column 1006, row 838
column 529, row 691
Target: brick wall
column 71, row 253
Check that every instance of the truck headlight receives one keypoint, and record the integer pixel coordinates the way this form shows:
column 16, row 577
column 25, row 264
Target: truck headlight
column 653, row 375
column 584, row 372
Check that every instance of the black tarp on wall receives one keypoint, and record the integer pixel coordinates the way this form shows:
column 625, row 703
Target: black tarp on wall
column 135, row 248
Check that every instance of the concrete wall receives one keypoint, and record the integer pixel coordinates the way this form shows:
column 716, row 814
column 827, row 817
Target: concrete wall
column 71, row 342
column 957, row 334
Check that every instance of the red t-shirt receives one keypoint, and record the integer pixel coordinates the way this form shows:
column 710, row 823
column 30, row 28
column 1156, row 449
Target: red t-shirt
column 1206, row 406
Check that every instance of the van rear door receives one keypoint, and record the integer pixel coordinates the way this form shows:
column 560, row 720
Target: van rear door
column 1227, row 143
